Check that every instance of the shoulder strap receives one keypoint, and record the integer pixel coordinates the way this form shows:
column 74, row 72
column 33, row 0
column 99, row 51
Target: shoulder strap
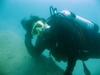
column 86, row 71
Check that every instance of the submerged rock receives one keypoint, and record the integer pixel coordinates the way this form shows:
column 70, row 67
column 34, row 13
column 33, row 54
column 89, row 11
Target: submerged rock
column 15, row 60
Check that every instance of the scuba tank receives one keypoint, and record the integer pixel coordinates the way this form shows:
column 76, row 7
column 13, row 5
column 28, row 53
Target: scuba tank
column 81, row 21
column 73, row 18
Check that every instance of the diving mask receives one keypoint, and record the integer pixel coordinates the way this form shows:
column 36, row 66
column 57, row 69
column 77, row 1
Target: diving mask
column 37, row 28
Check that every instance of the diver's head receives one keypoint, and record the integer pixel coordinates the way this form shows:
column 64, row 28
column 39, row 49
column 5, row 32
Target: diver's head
column 34, row 25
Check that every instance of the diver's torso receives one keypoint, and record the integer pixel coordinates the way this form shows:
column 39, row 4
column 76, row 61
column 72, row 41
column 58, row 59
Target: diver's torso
column 60, row 43
column 58, row 49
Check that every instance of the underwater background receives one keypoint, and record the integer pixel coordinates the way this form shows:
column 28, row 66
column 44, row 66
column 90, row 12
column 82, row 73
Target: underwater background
column 14, row 58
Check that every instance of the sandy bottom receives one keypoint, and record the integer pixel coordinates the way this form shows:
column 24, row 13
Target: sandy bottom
column 15, row 60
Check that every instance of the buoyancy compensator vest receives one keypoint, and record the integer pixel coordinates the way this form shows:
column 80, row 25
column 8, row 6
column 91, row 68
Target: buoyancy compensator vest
column 71, row 17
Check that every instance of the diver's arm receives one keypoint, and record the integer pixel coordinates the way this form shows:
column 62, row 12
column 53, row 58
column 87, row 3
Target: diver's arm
column 28, row 44
column 34, row 51
column 68, row 29
column 70, row 65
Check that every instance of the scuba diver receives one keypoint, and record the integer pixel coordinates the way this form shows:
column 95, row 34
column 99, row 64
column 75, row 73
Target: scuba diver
column 67, row 36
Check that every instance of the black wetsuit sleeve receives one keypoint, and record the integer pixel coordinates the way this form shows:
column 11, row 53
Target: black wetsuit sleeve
column 36, row 50
column 70, row 65
column 71, row 35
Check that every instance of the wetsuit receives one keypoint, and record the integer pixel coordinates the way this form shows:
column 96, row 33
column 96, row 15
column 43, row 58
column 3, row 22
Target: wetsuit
column 63, row 41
